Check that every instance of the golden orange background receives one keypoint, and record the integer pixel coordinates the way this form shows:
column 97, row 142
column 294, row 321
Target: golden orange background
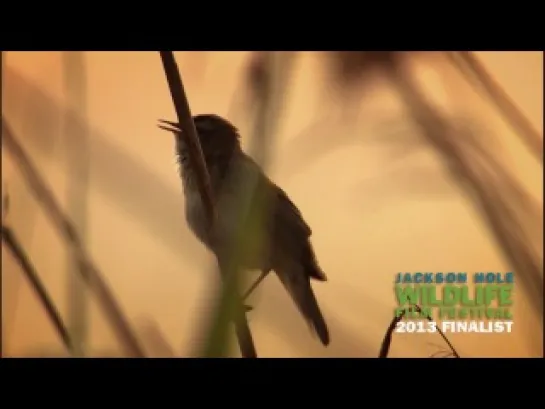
column 378, row 200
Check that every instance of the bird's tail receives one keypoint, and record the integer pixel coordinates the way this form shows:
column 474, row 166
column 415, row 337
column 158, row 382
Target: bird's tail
column 297, row 283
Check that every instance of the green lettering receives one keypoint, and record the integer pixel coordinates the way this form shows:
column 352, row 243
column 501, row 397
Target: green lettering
column 424, row 294
column 490, row 313
column 489, row 294
column 399, row 312
column 465, row 300
column 425, row 312
column 411, row 313
column 476, row 312
column 432, row 295
column 479, row 294
column 406, row 295
column 504, row 296
column 451, row 295
column 447, row 312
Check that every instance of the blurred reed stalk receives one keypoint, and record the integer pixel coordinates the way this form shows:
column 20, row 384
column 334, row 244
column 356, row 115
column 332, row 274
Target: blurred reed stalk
column 480, row 78
column 17, row 251
column 66, row 228
column 471, row 172
column 267, row 78
column 189, row 132
column 5, row 204
column 155, row 341
column 77, row 169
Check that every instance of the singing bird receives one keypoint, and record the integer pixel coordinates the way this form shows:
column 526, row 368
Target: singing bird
column 286, row 246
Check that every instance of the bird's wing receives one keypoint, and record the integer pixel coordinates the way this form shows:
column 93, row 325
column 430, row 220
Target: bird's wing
column 287, row 232
column 286, row 213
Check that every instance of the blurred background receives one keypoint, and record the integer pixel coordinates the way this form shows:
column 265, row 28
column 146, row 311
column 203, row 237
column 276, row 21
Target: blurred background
column 380, row 198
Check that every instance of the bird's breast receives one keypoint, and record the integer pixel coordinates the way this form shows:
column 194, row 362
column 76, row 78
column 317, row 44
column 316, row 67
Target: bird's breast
column 195, row 216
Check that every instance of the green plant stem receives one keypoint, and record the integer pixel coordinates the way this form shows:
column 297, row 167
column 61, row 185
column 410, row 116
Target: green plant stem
column 268, row 88
column 216, row 345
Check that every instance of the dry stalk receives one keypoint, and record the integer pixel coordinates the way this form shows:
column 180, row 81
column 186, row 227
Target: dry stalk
column 87, row 270
column 480, row 78
column 17, row 251
column 386, row 342
column 499, row 218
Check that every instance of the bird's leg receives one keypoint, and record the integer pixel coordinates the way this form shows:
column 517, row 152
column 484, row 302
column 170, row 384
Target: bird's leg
column 264, row 274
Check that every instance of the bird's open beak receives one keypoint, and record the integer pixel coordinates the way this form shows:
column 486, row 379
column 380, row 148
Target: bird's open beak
column 170, row 126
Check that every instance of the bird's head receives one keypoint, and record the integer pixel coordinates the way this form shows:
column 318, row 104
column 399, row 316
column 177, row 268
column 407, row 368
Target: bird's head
column 217, row 136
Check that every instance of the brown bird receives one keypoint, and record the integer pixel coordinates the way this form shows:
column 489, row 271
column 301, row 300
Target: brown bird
column 286, row 250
